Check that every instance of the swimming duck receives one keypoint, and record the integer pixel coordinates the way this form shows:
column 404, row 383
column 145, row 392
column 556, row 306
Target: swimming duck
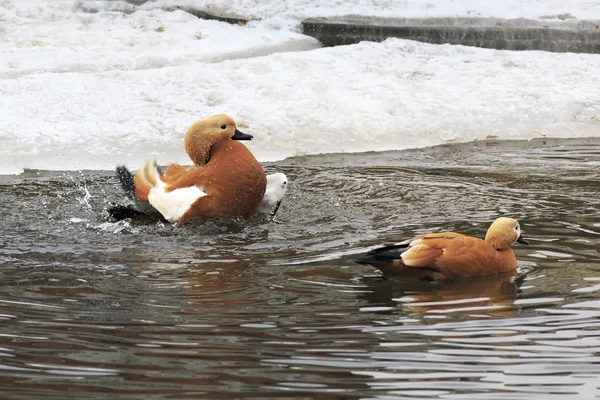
column 225, row 181
column 449, row 255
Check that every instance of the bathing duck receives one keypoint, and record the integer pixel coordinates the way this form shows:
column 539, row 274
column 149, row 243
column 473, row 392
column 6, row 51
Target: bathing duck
column 274, row 194
column 226, row 180
column 449, row 255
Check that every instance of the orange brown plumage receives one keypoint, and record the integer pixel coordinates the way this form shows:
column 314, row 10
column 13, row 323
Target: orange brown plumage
column 450, row 255
column 226, row 179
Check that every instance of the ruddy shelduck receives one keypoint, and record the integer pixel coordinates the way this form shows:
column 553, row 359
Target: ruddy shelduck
column 226, row 180
column 274, row 194
column 450, row 255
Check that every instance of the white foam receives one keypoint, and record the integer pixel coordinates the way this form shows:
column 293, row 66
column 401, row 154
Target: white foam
column 76, row 94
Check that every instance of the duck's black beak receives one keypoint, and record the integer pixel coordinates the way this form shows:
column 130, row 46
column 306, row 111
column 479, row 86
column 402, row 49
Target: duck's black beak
column 238, row 135
column 521, row 240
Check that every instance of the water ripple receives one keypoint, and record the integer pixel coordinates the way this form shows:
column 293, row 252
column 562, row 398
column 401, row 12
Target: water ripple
column 256, row 309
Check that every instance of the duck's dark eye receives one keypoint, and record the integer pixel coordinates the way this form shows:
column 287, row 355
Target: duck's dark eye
column 223, row 126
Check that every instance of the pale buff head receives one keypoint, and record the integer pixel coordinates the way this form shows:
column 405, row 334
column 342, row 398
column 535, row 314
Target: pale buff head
column 203, row 134
column 503, row 233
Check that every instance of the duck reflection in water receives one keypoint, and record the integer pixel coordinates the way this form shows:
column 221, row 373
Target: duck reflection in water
column 492, row 295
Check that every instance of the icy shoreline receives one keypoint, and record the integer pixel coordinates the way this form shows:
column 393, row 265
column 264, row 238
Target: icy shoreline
column 88, row 91
column 298, row 10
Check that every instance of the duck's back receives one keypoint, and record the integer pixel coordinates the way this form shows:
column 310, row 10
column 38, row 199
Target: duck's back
column 470, row 256
column 233, row 180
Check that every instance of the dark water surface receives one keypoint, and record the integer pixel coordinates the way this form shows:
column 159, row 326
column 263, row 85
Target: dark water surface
column 257, row 309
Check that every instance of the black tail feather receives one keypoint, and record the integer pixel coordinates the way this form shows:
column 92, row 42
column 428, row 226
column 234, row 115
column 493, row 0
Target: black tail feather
column 119, row 212
column 126, row 180
column 137, row 210
column 382, row 255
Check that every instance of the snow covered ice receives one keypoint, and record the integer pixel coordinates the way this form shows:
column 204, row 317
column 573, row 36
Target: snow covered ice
column 88, row 91
column 295, row 10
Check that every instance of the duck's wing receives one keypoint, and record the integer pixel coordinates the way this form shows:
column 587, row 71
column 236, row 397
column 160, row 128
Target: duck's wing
column 383, row 255
column 173, row 173
column 416, row 257
column 425, row 250
column 141, row 207
column 388, row 259
column 453, row 255
column 171, row 194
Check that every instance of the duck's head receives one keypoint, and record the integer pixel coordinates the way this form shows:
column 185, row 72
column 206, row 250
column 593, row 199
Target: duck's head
column 203, row 134
column 504, row 232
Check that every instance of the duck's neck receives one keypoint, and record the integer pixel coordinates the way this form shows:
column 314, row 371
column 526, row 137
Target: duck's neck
column 497, row 243
column 198, row 150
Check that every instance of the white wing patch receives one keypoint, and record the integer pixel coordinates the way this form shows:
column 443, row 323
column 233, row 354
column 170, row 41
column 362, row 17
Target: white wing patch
column 413, row 249
column 172, row 205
